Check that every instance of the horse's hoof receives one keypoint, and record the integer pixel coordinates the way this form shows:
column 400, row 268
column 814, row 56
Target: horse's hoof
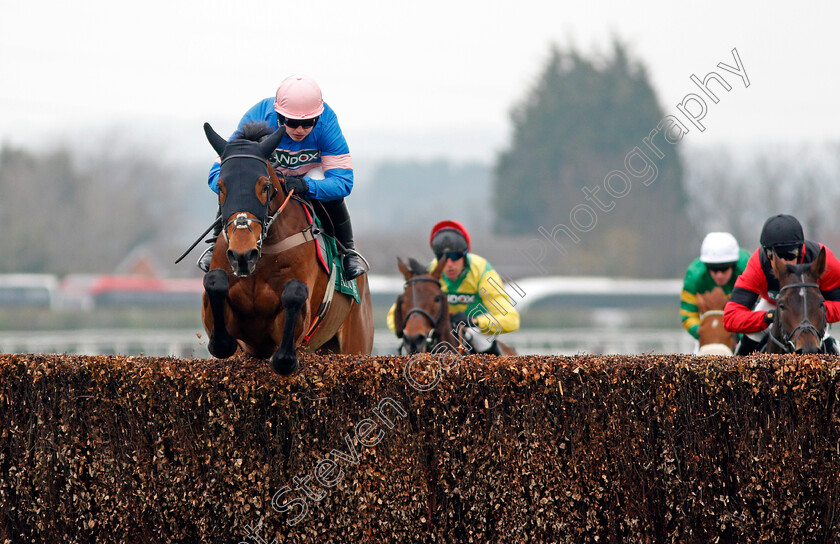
column 285, row 366
column 222, row 348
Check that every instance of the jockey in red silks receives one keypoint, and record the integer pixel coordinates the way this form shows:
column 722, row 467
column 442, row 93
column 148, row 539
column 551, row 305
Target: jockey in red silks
column 312, row 156
column 751, row 307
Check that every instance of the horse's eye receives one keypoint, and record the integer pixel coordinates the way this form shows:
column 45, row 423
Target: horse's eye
column 266, row 188
column 782, row 306
column 822, row 304
column 437, row 298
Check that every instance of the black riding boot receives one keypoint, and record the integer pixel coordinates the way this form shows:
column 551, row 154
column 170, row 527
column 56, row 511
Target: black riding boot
column 343, row 230
column 747, row 345
column 830, row 346
column 494, row 349
column 205, row 258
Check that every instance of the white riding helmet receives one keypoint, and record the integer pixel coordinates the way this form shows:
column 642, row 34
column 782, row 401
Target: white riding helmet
column 719, row 247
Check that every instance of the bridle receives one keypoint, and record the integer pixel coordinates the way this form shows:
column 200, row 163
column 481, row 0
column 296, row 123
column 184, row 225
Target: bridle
column 432, row 335
column 261, row 216
column 789, row 338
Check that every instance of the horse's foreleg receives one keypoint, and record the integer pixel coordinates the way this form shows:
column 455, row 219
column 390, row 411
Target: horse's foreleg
column 284, row 361
column 222, row 345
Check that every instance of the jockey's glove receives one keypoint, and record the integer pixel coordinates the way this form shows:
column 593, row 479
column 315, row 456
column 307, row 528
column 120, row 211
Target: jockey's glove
column 768, row 316
column 296, row 183
column 460, row 318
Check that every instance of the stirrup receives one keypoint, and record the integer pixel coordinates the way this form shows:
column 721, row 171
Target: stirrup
column 352, row 270
column 357, row 254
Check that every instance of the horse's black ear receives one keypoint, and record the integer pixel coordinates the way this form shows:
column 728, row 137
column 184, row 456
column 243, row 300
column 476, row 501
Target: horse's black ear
column 818, row 267
column 268, row 145
column 215, row 140
column 406, row 272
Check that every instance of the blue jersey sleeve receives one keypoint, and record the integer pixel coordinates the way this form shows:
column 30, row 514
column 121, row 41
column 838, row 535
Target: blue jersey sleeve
column 335, row 160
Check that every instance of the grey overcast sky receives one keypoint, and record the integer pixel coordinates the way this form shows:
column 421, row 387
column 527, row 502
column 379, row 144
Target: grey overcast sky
column 406, row 78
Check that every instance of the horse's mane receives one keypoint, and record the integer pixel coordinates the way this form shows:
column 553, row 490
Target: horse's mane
column 416, row 268
column 254, row 131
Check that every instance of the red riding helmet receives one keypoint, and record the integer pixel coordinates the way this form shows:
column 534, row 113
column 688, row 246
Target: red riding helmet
column 449, row 236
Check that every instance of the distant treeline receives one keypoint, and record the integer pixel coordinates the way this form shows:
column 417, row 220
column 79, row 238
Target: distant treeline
column 575, row 185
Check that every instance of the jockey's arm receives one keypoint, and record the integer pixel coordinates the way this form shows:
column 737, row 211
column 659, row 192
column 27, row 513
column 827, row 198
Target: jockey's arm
column 689, row 313
column 213, row 176
column 737, row 314
column 336, row 183
column 690, row 320
column 830, row 286
column 335, row 161
column 737, row 317
column 500, row 316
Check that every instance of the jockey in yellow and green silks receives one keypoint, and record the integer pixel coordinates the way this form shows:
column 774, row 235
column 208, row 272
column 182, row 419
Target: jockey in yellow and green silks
column 475, row 292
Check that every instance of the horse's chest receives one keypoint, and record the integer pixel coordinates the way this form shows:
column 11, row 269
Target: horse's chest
column 261, row 300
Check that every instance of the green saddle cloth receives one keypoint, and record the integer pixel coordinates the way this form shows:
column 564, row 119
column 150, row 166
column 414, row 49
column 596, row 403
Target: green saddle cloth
column 333, row 256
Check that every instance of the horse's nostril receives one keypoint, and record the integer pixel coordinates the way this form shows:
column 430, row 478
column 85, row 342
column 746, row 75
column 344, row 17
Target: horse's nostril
column 252, row 256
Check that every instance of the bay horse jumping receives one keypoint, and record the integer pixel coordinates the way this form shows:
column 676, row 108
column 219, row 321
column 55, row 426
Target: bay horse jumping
column 421, row 314
column 714, row 338
column 799, row 323
column 266, row 291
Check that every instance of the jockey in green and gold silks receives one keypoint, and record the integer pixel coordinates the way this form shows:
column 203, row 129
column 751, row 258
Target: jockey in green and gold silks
column 473, row 294
column 472, row 288
column 720, row 263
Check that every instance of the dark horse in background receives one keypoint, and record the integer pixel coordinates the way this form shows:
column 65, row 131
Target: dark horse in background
column 421, row 314
column 799, row 322
column 265, row 286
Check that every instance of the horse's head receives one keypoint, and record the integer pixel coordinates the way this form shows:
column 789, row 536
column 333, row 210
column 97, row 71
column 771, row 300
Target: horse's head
column 799, row 324
column 421, row 315
column 247, row 185
column 714, row 339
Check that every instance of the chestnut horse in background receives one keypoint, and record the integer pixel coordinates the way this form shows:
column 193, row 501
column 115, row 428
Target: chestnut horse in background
column 421, row 314
column 266, row 291
column 714, row 338
column 799, row 324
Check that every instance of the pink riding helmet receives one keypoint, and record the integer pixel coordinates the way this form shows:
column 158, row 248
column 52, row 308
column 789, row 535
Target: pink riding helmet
column 299, row 97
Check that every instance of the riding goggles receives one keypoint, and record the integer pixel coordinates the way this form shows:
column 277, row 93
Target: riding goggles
column 295, row 123
column 787, row 253
column 451, row 256
column 719, row 267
